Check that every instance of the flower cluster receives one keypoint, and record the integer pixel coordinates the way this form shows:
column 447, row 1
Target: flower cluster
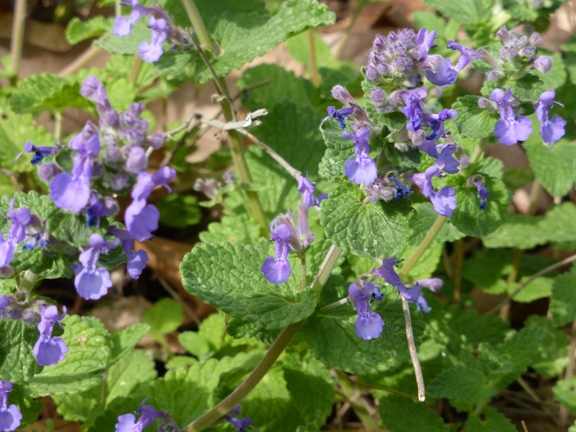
column 106, row 159
column 414, row 294
column 163, row 29
column 10, row 415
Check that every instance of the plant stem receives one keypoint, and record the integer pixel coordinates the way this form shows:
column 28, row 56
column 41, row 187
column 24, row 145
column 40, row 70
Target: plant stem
column 253, row 379
column 58, row 126
column 17, row 39
column 135, row 69
column 334, row 305
column 28, row 281
column 198, row 24
column 326, row 269
column 80, row 61
column 357, row 402
column 303, row 264
column 434, row 230
column 532, row 279
column 413, row 352
column 459, row 256
column 316, row 78
column 475, row 158
column 253, row 204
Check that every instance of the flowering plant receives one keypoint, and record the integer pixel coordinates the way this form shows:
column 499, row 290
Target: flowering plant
column 359, row 189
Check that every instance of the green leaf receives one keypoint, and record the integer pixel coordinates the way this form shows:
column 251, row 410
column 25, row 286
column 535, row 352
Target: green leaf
column 468, row 217
column 243, row 31
column 47, row 92
column 553, row 165
column 491, row 421
column 292, row 130
column 563, row 299
column 29, row 408
column 468, row 12
column 163, row 317
column 283, row 86
column 519, row 11
column 312, row 389
column 556, row 77
column 338, row 150
column 15, row 130
column 366, row 229
column 125, row 340
column 232, row 229
column 80, row 406
column 127, row 44
column 565, row 393
column 228, row 277
column 400, row 414
column 78, row 30
column 463, row 383
column 332, row 337
column 17, row 361
column 527, row 232
column 476, row 122
column 87, row 357
column 552, row 355
column 526, row 89
column 299, row 49
column 130, row 373
column 179, row 211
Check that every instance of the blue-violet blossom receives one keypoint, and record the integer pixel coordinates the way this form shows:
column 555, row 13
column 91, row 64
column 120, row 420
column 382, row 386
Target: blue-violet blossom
column 551, row 130
column 128, row 423
column 277, row 269
column 448, row 73
column 93, row 282
column 509, row 130
column 369, row 325
column 10, row 415
column 362, row 168
column 49, row 350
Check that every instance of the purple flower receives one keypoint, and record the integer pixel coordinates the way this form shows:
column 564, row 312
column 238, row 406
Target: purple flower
column 448, row 73
column 39, row 152
column 72, row 191
column 550, row 130
column 49, row 350
column 147, row 182
column 306, row 189
column 542, row 64
column 359, row 114
column 436, row 123
column 445, row 160
column 7, row 247
column 509, row 130
column 414, row 294
column 100, row 208
column 4, row 302
column 277, row 270
column 402, row 191
column 128, row 423
column 10, row 416
column 141, row 219
column 362, row 168
column 483, row 193
column 92, row 282
column 92, row 89
column 444, row 201
column 369, row 325
column 340, row 114
column 122, row 25
column 136, row 260
column 152, row 51
column 239, row 424
column 21, row 219
column 413, row 110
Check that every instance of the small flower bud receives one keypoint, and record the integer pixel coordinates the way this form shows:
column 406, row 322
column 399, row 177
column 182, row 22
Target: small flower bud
column 542, row 64
column 48, row 171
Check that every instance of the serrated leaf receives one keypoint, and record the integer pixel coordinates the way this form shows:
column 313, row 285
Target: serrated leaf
column 47, row 92
column 565, row 393
column 527, row 232
column 125, row 45
column 468, row 12
column 400, row 414
column 312, row 389
column 292, row 130
column 296, row 89
column 491, row 421
column 164, row 317
column 228, row 277
column 338, row 150
column 232, row 229
column 78, row 30
column 132, row 371
column 553, row 165
column 476, row 122
column 17, row 361
column 552, row 355
column 366, row 229
column 464, row 383
column 520, row 11
column 81, row 406
column 127, row 339
column 179, row 211
column 87, row 357
column 468, row 217
column 526, row 89
column 332, row 337
column 563, row 299
column 243, row 31
column 15, row 130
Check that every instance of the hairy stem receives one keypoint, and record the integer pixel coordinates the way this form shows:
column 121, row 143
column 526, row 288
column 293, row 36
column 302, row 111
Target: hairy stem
column 434, row 230
column 198, row 24
column 326, row 269
column 303, row 264
column 357, row 402
column 28, row 281
column 58, row 126
column 17, row 39
column 413, row 352
column 475, row 158
column 316, row 78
